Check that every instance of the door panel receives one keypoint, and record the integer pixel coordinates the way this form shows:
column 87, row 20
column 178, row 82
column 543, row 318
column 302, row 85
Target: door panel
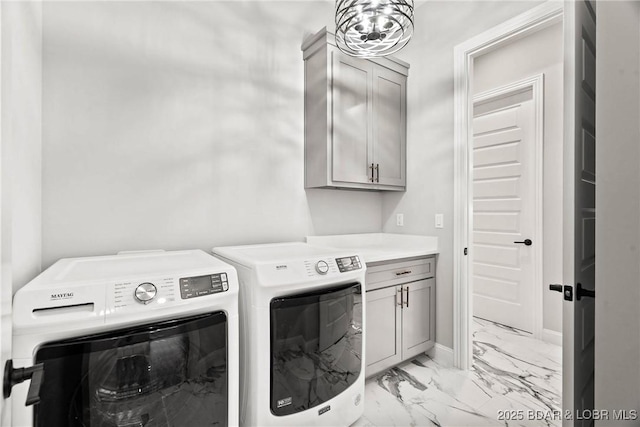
column 352, row 92
column 417, row 317
column 503, row 151
column 503, row 211
column 580, row 213
column 316, row 347
column 389, row 123
column 384, row 325
column 155, row 375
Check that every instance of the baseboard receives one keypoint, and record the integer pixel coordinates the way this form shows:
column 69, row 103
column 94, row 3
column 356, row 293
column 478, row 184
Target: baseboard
column 441, row 354
column 552, row 337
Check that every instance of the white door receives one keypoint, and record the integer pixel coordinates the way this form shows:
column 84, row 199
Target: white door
column 578, row 316
column 504, row 210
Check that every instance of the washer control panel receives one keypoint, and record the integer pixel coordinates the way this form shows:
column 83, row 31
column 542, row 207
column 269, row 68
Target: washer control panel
column 349, row 263
column 131, row 295
column 192, row 287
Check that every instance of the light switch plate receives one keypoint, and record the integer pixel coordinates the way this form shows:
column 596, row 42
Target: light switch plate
column 439, row 221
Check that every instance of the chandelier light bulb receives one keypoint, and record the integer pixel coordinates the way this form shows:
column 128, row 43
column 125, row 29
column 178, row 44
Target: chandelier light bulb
column 369, row 28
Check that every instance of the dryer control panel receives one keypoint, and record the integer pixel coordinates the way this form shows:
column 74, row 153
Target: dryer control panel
column 349, row 263
column 192, row 287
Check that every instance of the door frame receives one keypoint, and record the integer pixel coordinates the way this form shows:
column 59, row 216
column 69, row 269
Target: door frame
column 536, row 85
column 533, row 20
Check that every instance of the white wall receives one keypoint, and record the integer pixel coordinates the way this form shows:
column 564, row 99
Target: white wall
column 180, row 125
column 20, row 213
column 439, row 26
column 539, row 53
column 617, row 340
column 22, row 126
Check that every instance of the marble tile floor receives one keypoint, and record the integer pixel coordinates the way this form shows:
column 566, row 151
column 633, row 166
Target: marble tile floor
column 513, row 375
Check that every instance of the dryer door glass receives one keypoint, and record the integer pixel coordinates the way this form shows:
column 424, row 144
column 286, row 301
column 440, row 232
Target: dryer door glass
column 165, row 374
column 316, row 347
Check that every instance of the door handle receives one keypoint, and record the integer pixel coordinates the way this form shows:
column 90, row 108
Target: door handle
column 407, row 297
column 13, row 376
column 580, row 292
column 401, row 297
column 377, row 172
column 526, row 242
column 372, row 168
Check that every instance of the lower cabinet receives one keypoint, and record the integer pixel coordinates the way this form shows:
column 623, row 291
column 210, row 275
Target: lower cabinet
column 400, row 316
column 418, row 334
column 384, row 330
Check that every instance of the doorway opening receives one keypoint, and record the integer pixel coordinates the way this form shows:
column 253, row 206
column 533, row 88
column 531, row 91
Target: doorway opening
column 516, row 213
column 500, row 93
column 509, row 204
column 578, row 185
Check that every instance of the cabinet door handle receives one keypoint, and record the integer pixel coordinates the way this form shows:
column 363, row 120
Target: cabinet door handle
column 407, row 297
column 401, row 297
column 372, row 169
column 401, row 273
column 377, row 172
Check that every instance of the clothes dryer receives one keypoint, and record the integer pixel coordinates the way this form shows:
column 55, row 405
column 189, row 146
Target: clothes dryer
column 301, row 319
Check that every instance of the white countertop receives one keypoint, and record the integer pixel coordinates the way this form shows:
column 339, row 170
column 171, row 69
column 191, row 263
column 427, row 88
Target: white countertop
column 375, row 247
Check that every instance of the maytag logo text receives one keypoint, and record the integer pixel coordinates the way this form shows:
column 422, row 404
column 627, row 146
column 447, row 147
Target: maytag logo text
column 63, row 295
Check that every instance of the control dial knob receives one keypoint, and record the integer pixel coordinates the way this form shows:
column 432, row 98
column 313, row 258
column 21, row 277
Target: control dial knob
column 145, row 292
column 322, row 267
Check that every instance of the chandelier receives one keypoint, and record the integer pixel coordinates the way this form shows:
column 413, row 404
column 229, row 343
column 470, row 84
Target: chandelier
column 366, row 28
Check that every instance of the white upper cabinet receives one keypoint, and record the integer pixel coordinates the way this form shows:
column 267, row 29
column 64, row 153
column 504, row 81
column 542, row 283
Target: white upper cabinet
column 389, row 126
column 352, row 107
column 355, row 119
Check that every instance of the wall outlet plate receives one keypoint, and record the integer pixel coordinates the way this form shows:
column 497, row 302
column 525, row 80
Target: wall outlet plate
column 400, row 220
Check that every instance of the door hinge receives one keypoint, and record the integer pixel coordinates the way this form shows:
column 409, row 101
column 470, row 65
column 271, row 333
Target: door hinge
column 466, row 252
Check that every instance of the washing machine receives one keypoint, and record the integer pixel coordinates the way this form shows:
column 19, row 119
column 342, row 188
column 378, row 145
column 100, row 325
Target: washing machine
column 136, row 339
column 301, row 325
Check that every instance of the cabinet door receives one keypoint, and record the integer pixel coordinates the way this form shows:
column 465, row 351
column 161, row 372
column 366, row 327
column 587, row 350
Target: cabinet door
column 418, row 317
column 389, row 126
column 352, row 109
column 383, row 329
